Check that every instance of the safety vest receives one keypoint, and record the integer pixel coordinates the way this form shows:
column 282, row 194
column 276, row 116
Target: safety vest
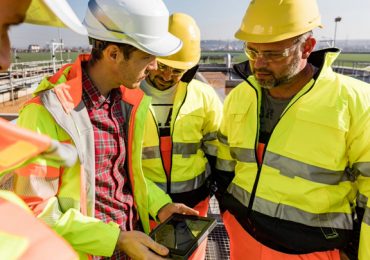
column 300, row 199
column 193, row 131
column 22, row 236
column 17, row 145
column 65, row 197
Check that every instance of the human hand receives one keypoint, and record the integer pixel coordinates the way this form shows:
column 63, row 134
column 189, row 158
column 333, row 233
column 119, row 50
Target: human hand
column 138, row 245
column 167, row 210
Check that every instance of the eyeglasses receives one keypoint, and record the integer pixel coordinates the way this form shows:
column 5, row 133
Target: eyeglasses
column 270, row 56
column 175, row 72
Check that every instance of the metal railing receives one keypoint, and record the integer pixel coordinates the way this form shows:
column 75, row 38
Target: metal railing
column 26, row 74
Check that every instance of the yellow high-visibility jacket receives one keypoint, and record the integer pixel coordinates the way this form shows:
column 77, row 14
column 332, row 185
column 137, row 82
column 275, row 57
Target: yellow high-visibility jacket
column 65, row 197
column 315, row 168
column 194, row 124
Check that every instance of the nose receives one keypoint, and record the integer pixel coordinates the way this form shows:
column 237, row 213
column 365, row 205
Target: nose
column 167, row 74
column 153, row 64
column 259, row 62
column 4, row 52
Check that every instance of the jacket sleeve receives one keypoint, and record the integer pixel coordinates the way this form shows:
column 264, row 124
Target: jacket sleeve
column 359, row 157
column 213, row 114
column 157, row 198
column 39, row 185
column 225, row 165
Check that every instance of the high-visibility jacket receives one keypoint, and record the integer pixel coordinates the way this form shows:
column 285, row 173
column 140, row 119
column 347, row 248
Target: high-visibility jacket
column 301, row 198
column 22, row 236
column 65, row 197
column 194, row 124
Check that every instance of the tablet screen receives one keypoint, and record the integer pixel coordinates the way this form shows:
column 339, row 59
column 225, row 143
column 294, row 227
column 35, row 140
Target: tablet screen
column 182, row 232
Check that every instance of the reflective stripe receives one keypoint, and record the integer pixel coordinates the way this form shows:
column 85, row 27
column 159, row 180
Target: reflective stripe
column 293, row 168
column 222, row 138
column 210, row 136
column 185, row 186
column 363, row 168
column 366, row 218
column 334, row 220
column 362, row 201
column 185, row 148
column 243, row 154
column 225, row 165
column 209, row 149
column 151, row 152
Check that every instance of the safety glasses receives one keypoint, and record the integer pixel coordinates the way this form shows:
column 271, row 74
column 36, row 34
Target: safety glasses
column 175, row 72
column 271, row 56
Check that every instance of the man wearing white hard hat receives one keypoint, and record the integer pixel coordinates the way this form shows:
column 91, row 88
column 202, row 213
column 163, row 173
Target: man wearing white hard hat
column 101, row 205
column 22, row 236
column 296, row 135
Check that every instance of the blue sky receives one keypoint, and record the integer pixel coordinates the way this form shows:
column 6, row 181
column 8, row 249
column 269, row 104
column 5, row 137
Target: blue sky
column 218, row 20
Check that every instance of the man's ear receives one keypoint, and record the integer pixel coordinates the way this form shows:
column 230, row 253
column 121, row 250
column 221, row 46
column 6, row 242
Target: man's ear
column 111, row 52
column 309, row 45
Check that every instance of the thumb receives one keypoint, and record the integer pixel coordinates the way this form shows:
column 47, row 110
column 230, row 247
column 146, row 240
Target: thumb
column 156, row 247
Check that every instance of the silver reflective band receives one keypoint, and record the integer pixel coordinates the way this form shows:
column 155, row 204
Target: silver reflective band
column 185, row 186
column 151, row 152
column 363, row 168
column 184, row 149
column 225, row 165
column 209, row 149
column 210, row 136
column 362, row 200
column 285, row 212
column 243, row 154
column 222, row 138
column 293, row 168
column 367, row 216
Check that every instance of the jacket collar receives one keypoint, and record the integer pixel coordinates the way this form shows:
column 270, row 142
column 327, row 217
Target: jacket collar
column 190, row 74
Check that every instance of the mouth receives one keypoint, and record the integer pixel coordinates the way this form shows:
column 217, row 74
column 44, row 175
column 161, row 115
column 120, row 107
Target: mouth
column 262, row 74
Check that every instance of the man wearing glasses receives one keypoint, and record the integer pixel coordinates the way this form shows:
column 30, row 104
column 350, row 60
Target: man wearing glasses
column 180, row 140
column 294, row 143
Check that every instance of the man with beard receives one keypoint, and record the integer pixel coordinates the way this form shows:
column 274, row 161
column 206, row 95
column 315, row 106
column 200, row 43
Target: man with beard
column 294, row 158
column 180, row 140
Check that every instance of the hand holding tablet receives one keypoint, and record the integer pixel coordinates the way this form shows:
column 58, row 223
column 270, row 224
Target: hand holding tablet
column 182, row 234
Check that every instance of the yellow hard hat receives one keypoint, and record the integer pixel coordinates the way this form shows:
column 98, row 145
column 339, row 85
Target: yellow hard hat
column 276, row 20
column 186, row 29
column 54, row 13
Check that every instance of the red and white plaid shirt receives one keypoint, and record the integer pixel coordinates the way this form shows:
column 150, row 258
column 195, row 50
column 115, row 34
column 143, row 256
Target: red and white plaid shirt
column 113, row 195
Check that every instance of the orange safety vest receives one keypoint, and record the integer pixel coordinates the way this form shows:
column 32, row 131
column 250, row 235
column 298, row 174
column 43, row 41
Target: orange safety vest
column 17, row 145
column 23, row 236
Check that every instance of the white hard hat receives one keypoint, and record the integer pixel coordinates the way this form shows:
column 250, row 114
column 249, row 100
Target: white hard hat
column 54, row 13
column 140, row 23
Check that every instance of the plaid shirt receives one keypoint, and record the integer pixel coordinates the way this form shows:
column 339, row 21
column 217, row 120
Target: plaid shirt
column 113, row 194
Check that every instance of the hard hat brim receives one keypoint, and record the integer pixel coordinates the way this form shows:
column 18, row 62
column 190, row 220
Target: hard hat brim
column 54, row 13
column 165, row 46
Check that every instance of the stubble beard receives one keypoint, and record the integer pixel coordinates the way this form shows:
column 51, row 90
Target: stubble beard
column 281, row 79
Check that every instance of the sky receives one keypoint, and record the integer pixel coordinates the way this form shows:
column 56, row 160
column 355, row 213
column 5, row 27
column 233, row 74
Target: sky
column 217, row 19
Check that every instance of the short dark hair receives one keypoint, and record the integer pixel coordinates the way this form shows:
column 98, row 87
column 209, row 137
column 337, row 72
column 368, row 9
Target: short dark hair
column 98, row 46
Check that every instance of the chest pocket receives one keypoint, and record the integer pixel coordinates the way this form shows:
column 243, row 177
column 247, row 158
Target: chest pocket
column 189, row 126
column 242, row 126
column 319, row 135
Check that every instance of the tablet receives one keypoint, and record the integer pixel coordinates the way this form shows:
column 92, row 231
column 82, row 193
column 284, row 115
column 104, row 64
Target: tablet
column 182, row 234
